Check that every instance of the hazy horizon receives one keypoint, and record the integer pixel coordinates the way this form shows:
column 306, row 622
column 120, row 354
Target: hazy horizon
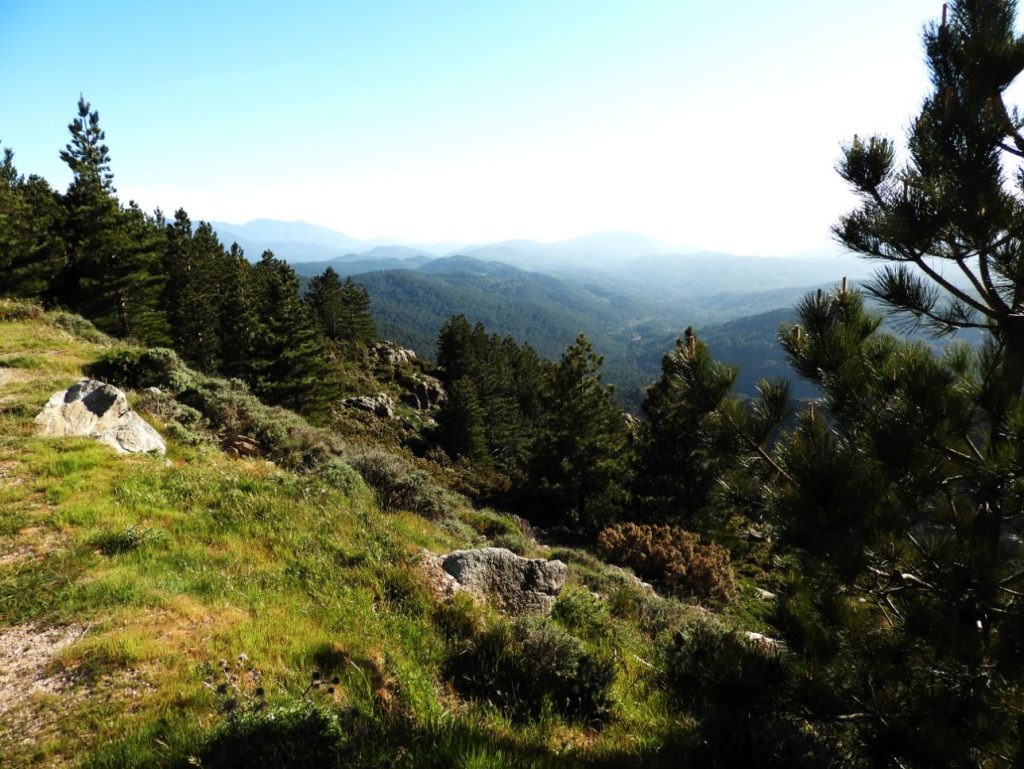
column 708, row 127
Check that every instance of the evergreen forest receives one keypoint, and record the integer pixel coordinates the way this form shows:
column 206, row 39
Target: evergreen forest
column 829, row 580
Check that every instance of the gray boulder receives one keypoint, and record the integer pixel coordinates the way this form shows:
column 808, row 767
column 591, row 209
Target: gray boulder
column 99, row 411
column 381, row 404
column 425, row 393
column 511, row 583
column 391, row 354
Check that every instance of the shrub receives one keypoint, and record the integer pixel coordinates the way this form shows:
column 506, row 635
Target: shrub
column 17, row 309
column 119, row 542
column 501, row 530
column 459, row 618
column 240, row 419
column 298, row 736
column 136, row 368
column 78, row 326
column 400, row 485
column 743, row 696
column 527, row 668
column 580, row 612
column 672, row 557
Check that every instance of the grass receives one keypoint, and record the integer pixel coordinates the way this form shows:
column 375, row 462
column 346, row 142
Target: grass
column 168, row 566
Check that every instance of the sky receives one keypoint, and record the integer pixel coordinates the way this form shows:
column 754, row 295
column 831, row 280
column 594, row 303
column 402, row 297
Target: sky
column 708, row 124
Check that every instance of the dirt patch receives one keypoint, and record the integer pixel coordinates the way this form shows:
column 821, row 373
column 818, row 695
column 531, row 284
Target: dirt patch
column 25, row 656
column 32, row 543
column 10, row 375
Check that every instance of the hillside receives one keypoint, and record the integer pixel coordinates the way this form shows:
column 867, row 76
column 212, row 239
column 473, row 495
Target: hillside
column 202, row 608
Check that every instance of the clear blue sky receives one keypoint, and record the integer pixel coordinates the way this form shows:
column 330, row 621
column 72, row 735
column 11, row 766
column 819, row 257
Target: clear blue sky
column 710, row 124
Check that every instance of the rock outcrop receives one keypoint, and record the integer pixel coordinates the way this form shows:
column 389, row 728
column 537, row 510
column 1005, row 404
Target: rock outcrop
column 391, row 354
column 513, row 584
column 100, row 411
column 381, row 404
column 425, row 393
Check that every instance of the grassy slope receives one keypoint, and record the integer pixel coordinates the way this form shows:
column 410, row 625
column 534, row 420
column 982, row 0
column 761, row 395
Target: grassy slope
column 159, row 568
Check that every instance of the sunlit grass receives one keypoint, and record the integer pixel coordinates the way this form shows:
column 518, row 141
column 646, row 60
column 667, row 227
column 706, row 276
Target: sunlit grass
column 168, row 565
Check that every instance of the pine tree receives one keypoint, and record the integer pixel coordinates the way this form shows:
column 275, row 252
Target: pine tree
column 31, row 250
column 289, row 366
column 356, row 324
column 952, row 204
column 580, row 461
column 327, row 302
column 906, row 607
column 692, row 436
column 193, row 290
column 238, row 322
column 461, row 423
column 114, row 274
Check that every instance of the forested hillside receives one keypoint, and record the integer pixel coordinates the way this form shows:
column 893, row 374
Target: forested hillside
column 331, row 552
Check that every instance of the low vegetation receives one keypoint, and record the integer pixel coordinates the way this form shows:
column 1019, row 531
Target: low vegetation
column 263, row 595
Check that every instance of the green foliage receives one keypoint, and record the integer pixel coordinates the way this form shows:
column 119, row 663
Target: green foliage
column 124, row 541
column 527, row 668
column 228, row 408
column 192, row 261
column 504, row 380
column 400, row 485
column 31, row 250
column 580, row 458
column 740, row 693
column 687, row 441
column 289, row 365
column 297, row 736
column 461, row 423
column 891, row 495
column 15, row 309
column 342, row 311
column 951, row 201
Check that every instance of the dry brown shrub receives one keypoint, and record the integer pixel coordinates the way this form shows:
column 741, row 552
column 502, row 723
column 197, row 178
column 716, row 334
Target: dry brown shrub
column 672, row 557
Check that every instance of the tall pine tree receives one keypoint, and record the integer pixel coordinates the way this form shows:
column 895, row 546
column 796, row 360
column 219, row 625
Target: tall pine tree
column 114, row 274
column 580, row 462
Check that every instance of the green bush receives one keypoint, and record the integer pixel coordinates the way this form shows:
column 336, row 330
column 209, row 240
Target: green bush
column 501, row 530
column 77, row 326
column 299, row 736
column 458, row 619
column 17, row 309
column 743, row 695
column 528, row 668
column 580, row 612
column 400, row 485
column 124, row 541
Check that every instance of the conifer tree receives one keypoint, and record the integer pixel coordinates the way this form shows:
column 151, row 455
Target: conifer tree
column 356, row 325
column 31, row 250
column 461, row 423
column 289, row 365
column 958, row 202
column 327, row 301
column 193, row 290
column 696, row 432
column 580, row 461
column 114, row 274
column 906, row 608
column 239, row 324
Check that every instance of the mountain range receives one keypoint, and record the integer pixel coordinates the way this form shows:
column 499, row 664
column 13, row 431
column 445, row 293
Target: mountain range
column 632, row 295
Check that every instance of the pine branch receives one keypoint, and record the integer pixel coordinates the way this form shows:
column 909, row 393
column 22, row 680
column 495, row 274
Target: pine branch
column 918, row 259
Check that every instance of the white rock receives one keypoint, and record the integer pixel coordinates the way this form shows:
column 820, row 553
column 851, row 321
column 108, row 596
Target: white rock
column 92, row 409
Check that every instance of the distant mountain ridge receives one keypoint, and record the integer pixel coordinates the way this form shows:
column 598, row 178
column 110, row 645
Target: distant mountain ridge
column 632, row 295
